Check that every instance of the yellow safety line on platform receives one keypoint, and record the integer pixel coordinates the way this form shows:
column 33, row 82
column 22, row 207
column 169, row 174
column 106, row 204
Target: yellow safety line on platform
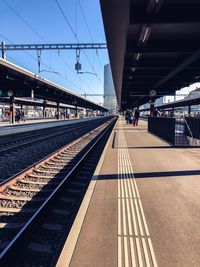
column 134, row 244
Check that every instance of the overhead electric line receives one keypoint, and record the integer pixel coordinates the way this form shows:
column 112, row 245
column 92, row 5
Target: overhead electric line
column 68, row 23
column 88, row 29
column 52, row 70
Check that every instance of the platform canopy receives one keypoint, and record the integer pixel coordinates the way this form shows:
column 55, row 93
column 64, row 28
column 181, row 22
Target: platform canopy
column 21, row 83
column 154, row 47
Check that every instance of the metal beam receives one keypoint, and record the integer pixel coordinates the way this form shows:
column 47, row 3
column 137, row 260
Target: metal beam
column 12, row 47
column 160, row 68
column 185, row 13
column 88, row 94
column 181, row 67
column 172, row 46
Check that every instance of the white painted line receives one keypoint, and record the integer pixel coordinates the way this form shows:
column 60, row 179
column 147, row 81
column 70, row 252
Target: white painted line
column 134, row 218
column 139, row 252
column 119, row 260
column 133, row 189
column 125, row 179
column 129, row 218
column 128, row 181
column 124, row 216
column 138, row 217
column 143, row 217
column 125, row 185
column 152, row 253
column 129, row 187
column 118, row 176
column 119, row 217
column 118, row 188
column 133, row 257
column 122, row 187
column 146, row 253
column 137, row 192
column 126, row 258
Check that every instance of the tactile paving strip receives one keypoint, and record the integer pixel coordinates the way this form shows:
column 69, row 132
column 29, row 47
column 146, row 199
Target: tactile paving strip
column 135, row 247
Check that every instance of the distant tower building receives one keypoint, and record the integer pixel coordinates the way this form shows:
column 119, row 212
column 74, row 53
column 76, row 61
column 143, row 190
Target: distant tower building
column 110, row 100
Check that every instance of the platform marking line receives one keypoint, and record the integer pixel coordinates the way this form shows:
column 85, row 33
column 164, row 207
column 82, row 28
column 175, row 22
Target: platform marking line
column 134, row 244
column 152, row 253
column 129, row 218
column 140, row 261
column 133, row 256
column 126, row 257
column 138, row 217
column 119, row 251
column 134, row 218
column 147, row 260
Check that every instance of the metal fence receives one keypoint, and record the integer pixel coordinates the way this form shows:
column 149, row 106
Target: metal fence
column 187, row 132
column 181, row 132
column 163, row 128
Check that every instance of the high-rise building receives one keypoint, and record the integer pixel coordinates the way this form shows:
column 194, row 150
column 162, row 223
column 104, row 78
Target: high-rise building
column 110, row 100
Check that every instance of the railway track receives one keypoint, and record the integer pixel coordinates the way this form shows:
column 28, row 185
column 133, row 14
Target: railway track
column 46, row 197
column 19, row 153
column 12, row 142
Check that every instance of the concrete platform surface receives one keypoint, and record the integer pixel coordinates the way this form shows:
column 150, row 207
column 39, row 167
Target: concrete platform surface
column 142, row 208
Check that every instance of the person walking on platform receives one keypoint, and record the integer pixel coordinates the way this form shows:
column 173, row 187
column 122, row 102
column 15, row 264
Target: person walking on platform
column 17, row 116
column 127, row 116
column 136, row 117
column 23, row 116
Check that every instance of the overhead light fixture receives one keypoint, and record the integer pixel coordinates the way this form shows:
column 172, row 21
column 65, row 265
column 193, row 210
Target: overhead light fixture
column 137, row 56
column 154, row 6
column 9, row 77
column 144, row 34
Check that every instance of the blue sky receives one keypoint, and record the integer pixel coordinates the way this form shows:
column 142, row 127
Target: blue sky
column 44, row 23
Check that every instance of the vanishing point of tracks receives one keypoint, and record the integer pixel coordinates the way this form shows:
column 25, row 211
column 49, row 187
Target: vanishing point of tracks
column 39, row 205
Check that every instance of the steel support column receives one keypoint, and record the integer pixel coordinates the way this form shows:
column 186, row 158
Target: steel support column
column 12, row 110
column 58, row 111
column 189, row 110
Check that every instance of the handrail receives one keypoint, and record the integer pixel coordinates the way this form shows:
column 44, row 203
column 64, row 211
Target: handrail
column 188, row 128
column 194, row 140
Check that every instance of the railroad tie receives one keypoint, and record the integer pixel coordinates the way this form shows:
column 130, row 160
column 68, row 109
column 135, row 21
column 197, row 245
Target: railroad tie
column 68, row 200
column 52, row 226
column 61, row 212
column 11, row 225
column 42, row 248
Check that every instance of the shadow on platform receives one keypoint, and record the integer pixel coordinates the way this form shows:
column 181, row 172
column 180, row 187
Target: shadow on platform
column 149, row 175
column 144, row 147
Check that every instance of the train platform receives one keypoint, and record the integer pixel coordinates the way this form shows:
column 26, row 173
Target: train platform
column 142, row 207
column 30, row 125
